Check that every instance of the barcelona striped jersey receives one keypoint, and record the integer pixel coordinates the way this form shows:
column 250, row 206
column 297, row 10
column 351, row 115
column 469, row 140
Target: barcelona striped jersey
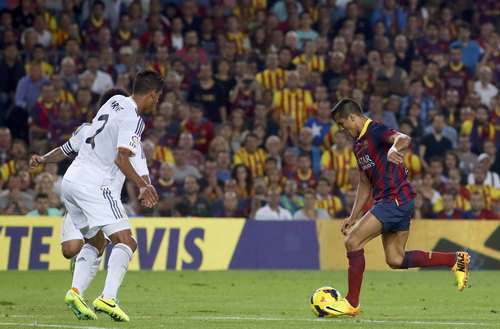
column 389, row 181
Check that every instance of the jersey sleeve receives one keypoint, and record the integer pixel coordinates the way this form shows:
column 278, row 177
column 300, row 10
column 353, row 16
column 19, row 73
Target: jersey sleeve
column 139, row 162
column 129, row 134
column 73, row 145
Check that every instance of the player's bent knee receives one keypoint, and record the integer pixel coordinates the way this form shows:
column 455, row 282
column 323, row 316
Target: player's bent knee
column 394, row 262
column 351, row 243
column 71, row 248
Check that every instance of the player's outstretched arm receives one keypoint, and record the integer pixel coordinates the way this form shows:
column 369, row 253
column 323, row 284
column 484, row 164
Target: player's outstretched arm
column 147, row 192
column 56, row 155
column 362, row 196
column 400, row 142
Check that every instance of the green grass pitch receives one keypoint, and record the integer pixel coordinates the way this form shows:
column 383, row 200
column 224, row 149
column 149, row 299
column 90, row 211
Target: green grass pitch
column 256, row 299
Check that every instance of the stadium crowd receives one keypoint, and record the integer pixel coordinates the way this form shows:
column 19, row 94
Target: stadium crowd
column 243, row 127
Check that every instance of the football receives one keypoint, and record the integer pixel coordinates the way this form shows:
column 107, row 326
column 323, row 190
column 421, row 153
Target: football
column 323, row 297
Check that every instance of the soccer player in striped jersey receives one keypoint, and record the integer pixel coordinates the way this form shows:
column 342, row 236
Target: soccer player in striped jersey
column 379, row 153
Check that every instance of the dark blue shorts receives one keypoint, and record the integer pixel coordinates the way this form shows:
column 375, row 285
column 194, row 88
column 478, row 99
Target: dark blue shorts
column 394, row 218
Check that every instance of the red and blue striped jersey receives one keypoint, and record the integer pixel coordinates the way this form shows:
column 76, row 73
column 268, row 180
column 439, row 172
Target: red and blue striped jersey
column 389, row 181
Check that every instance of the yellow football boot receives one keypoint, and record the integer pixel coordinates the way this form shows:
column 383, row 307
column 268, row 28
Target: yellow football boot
column 110, row 307
column 78, row 306
column 341, row 307
column 461, row 269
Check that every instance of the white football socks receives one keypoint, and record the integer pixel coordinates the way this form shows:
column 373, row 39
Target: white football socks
column 93, row 273
column 83, row 266
column 117, row 268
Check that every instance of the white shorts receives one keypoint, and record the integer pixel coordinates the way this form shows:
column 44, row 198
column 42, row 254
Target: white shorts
column 93, row 209
column 68, row 230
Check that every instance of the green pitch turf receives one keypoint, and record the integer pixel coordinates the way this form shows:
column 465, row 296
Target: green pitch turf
column 256, row 299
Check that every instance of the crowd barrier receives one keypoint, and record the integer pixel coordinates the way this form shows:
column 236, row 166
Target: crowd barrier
column 220, row 244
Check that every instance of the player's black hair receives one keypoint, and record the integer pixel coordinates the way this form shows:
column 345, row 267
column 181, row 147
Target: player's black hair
column 147, row 80
column 345, row 107
column 110, row 93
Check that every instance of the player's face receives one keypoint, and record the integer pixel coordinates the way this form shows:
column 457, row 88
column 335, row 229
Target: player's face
column 347, row 125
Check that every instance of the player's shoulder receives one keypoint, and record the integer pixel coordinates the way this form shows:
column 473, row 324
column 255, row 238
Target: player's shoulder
column 82, row 128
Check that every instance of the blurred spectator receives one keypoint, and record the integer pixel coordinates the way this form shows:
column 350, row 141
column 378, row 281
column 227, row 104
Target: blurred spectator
column 68, row 73
column 378, row 113
column 11, row 71
column 394, row 73
column 305, row 146
column 60, row 129
column 449, row 209
column 272, row 210
column 340, row 158
column 223, row 162
column 478, row 210
column 310, row 211
column 483, row 85
column 479, row 129
column 325, row 198
column 489, row 148
column 211, row 188
column 251, row 155
column 435, row 143
column 95, row 22
column 350, row 197
column 241, row 173
column 309, row 57
column 182, row 169
column 293, row 101
column 490, row 194
column 261, row 117
column 485, row 161
column 305, row 176
column 29, row 87
column 60, row 92
column 196, row 204
column 209, row 94
column 44, row 113
column 42, row 207
column 467, row 158
column 322, row 126
column 417, row 95
column 456, row 75
column 245, row 95
column 168, row 190
column 432, row 83
column 448, row 131
column 12, row 200
column 102, row 80
column 432, row 45
column 273, row 77
column 471, row 52
column 201, row 128
column 230, row 206
column 5, row 145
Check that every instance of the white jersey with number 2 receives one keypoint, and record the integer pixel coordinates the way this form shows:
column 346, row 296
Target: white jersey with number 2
column 117, row 124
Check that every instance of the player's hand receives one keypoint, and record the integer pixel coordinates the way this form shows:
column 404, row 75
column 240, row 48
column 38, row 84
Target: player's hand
column 148, row 196
column 36, row 160
column 347, row 224
column 394, row 156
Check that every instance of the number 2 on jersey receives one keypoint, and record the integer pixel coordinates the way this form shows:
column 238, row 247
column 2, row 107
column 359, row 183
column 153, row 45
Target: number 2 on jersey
column 91, row 140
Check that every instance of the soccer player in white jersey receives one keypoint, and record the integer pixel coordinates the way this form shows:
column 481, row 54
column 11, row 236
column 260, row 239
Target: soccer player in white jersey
column 71, row 238
column 93, row 202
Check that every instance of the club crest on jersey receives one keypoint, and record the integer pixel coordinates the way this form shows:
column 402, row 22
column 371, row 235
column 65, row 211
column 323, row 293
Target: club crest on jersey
column 134, row 141
column 365, row 144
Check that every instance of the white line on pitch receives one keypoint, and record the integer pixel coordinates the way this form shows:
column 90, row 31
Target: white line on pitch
column 324, row 320
column 39, row 325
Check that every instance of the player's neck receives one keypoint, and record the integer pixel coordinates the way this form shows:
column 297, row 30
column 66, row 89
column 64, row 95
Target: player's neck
column 140, row 101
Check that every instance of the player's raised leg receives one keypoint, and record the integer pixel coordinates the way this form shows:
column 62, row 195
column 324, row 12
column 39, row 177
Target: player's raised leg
column 398, row 258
